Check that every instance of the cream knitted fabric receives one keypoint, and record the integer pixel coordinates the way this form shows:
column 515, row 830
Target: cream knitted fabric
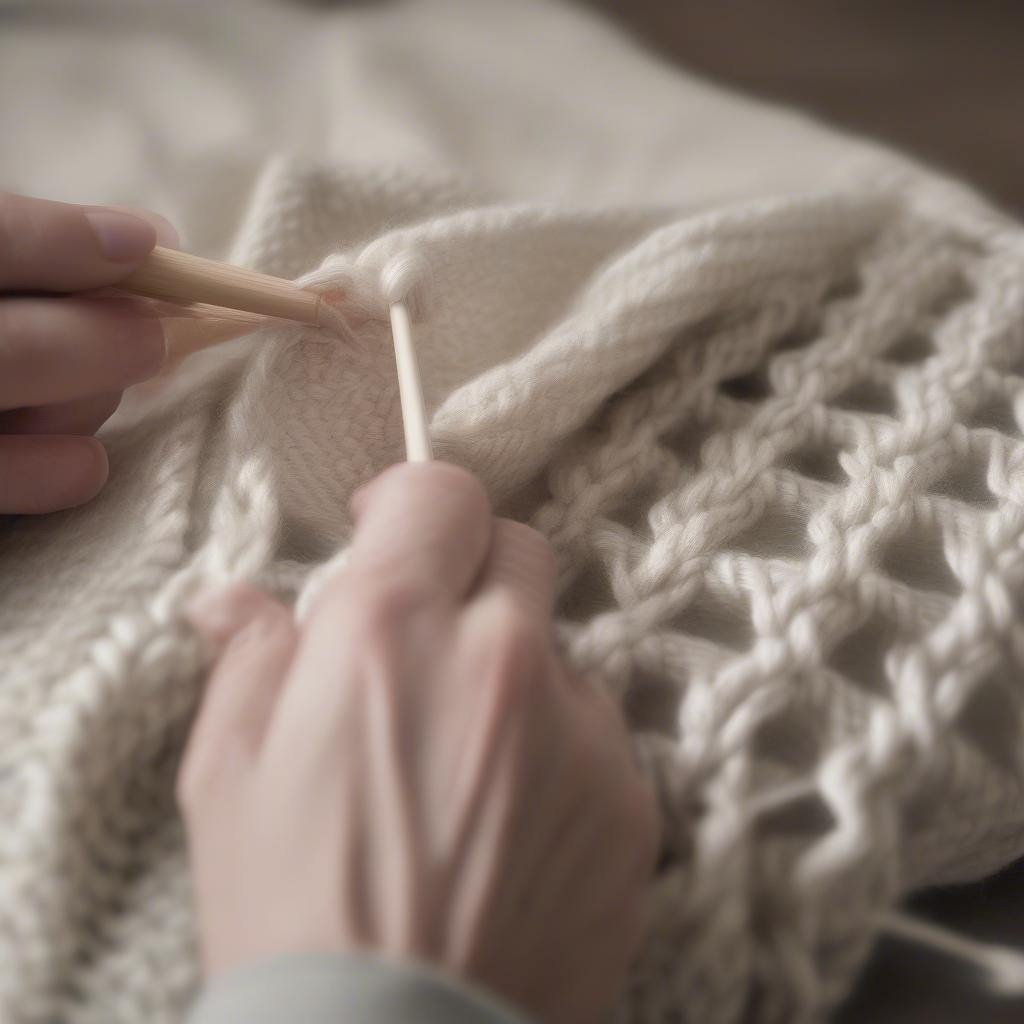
column 769, row 415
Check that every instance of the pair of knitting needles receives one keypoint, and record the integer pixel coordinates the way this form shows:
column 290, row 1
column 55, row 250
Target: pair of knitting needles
column 201, row 288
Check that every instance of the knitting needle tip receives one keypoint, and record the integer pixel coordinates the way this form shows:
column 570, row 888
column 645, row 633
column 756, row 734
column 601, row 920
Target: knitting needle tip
column 410, row 391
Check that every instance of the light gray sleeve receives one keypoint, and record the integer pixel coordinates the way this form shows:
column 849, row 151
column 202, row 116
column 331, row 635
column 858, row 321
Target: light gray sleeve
column 334, row 988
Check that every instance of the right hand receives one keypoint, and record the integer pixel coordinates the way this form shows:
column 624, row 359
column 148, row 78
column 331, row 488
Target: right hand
column 414, row 770
column 65, row 360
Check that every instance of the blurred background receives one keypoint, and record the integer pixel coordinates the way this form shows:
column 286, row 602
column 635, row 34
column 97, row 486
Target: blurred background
column 940, row 79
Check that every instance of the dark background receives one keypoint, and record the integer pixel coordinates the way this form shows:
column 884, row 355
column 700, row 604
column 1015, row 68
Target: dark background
column 941, row 79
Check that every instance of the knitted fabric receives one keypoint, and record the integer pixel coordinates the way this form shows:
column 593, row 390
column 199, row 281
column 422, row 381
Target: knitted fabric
column 776, row 445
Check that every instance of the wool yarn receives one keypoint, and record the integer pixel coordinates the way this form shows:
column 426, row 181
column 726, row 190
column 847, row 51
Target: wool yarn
column 768, row 411
column 401, row 281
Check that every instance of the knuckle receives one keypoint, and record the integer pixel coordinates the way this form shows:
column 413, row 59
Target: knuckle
column 469, row 491
column 385, row 611
column 413, row 481
column 374, row 604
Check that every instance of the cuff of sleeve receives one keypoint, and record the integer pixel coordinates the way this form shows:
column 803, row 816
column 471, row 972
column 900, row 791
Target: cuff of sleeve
column 336, row 988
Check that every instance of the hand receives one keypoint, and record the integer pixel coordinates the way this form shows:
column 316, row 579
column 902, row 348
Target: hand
column 65, row 361
column 414, row 771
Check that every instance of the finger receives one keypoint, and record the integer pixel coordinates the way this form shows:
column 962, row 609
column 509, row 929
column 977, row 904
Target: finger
column 253, row 638
column 48, row 246
column 46, row 474
column 80, row 416
column 425, row 528
column 166, row 233
column 59, row 349
column 520, row 565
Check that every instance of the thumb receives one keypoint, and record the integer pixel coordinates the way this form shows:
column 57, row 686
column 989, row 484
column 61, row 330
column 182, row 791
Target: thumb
column 57, row 247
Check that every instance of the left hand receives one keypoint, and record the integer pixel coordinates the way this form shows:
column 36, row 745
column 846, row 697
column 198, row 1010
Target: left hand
column 65, row 359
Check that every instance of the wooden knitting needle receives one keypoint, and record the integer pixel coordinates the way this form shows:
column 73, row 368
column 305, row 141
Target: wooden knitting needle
column 196, row 282
column 203, row 286
column 417, row 440
column 410, row 390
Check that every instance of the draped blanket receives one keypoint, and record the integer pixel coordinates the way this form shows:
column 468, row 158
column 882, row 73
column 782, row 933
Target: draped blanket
column 762, row 387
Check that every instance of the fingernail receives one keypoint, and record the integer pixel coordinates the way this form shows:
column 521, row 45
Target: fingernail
column 122, row 237
column 166, row 233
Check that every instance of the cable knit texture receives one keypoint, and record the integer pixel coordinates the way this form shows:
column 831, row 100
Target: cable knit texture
column 761, row 386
